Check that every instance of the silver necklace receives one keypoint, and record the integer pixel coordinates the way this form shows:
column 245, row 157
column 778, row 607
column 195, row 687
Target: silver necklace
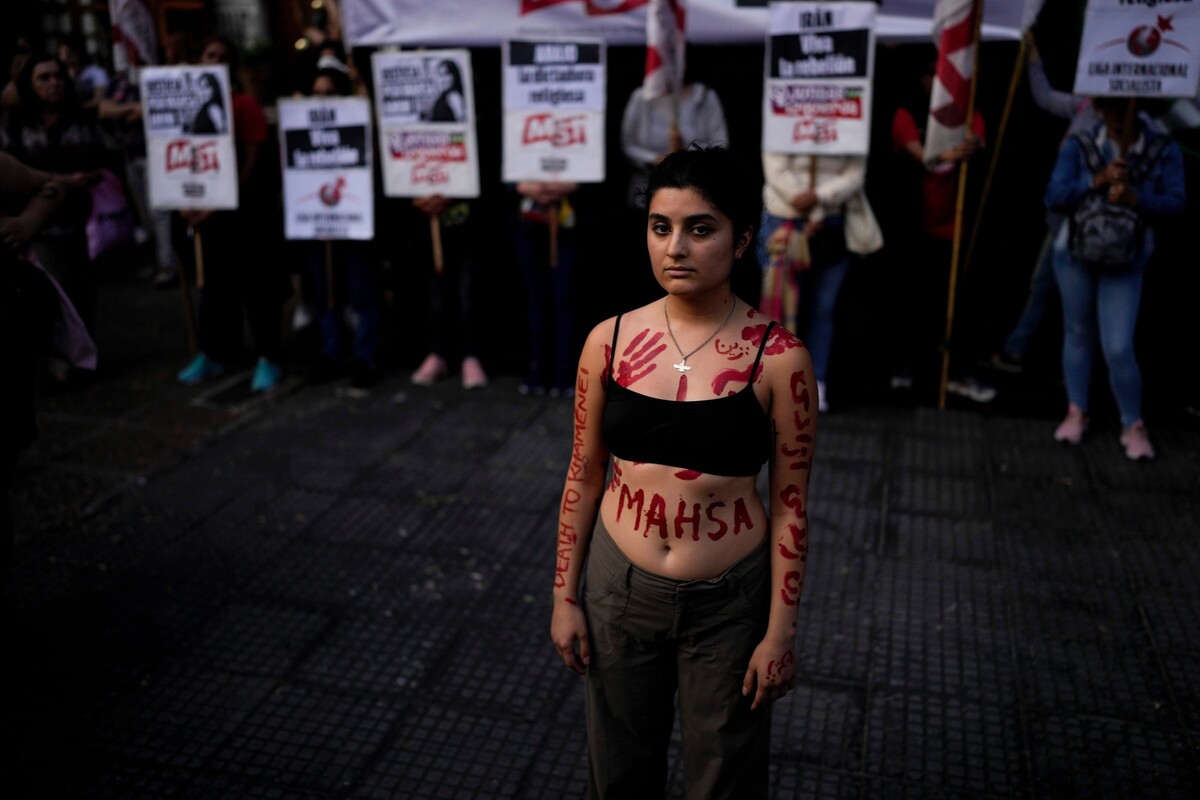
column 682, row 366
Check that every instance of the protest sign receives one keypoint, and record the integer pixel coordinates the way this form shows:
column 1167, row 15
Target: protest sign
column 1139, row 49
column 554, row 104
column 817, row 81
column 328, row 191
column 188, row 117
column 425, row 107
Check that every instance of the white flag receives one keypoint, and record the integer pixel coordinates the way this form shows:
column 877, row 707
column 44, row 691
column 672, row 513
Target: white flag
column 665, row 41
column 954, row 33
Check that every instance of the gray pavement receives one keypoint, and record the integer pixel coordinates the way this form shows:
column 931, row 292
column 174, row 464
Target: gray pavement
column 318, row 596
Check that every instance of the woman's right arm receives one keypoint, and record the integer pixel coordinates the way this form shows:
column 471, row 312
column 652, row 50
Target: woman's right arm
column 1070, row 180
column 580, row 504
column 42, row 194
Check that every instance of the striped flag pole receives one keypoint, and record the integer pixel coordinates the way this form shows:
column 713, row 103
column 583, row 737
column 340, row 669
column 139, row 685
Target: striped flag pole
column 951, row 107
column 666, row 23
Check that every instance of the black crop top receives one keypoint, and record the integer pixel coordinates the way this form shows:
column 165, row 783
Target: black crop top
column 728, row 435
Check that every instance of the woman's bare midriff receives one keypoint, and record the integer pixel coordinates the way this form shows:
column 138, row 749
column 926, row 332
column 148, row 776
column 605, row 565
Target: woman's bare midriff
column 681, row 524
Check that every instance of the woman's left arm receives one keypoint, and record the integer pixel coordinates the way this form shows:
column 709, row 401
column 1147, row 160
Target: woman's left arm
column 1164, row 193
column 772, row 670
column 834, row 190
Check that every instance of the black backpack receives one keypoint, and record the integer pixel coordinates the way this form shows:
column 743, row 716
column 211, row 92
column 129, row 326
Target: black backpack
column 1106, row 236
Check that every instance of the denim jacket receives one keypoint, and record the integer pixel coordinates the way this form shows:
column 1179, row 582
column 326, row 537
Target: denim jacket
column 1161, row 193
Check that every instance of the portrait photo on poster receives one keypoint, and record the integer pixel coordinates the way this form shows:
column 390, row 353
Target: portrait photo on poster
column 209, row 117
column 449, row 103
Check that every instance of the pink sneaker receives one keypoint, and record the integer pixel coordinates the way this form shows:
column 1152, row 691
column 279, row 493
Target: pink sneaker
column 1071, row 429
column 1136, row 442
column 432, row 368
column 473, row 376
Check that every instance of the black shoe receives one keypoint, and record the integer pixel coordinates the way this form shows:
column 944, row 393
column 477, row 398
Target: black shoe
column 326, row 370
column 363, row 376
column 1006, row 362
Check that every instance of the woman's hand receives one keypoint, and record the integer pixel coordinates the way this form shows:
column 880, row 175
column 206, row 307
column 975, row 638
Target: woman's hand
column 1115, row 172
column 15, row 232
column 803, row 201
column 433, row 205
column 772, row 671
column 568, row 629
column 1122, row 194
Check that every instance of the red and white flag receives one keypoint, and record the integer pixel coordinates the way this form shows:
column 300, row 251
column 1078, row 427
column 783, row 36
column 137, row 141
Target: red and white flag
column 954, row 33
column 665, row 41
column 133, row 37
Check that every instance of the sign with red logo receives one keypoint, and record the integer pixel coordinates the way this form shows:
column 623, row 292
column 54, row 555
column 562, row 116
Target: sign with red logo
column 187, row 113
column 325, row 149
column 817, row 78
column 1140, row 48
column 554, row 101
column 426, row 113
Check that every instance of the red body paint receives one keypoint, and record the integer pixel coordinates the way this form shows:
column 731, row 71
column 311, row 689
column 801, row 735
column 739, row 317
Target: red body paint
column 639, row 358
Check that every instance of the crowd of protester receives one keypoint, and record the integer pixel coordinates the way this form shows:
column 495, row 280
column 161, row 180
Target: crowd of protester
column 65, row 115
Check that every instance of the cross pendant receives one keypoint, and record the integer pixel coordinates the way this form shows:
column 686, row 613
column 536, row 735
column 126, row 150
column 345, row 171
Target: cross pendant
column 682, row 366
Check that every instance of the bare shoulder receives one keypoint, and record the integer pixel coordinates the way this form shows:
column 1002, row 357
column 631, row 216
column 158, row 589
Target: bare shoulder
column 786, row 363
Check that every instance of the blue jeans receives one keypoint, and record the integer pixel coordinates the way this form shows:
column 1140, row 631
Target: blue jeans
column 1041, row 285
column 352, row 275
column 550, row 304
column 1100, row 306
column 819, row 289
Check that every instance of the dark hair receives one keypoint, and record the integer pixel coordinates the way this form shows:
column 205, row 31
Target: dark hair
column 341, row 80
column 28, row 98
column 233, row 56
column 210, row 80
column 1106, row 103
column 455, row 74
column 719, row 177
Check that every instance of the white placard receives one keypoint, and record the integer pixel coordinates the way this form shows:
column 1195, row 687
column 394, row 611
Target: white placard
column 188, row 117
column 425, row 106
column 325, row 145
column 817, row 78
column 1139, row 49
column 554, row 110
column 467, row 23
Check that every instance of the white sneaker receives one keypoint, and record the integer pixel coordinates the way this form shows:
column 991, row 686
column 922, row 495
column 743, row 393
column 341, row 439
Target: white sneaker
column 971, row 389
column 301, row 318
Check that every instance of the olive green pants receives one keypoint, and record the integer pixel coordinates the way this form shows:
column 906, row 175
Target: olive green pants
column 653, row 638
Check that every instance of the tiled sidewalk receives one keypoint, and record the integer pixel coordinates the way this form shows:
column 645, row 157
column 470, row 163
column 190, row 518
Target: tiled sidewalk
column 344, row 598
column 314, row 596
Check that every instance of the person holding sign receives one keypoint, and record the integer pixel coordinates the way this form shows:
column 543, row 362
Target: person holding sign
column 1113, row 183
column 809, row 198
column 692, row 582
column 235, row 274
column 347, row 263
column 547, row 250
column 453, row 320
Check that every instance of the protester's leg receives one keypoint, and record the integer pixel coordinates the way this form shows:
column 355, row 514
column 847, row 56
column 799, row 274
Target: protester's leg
column 1117, row 301
column 221, row 316
column 327, row 315
column 1077, row 288
column 265, row 287
column 530, row 240
column 364, row 299
column 726, row 746
column 1041, row 288
column 562, row 288
column 630, row 684
column 467, row 326
column 819, row 290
